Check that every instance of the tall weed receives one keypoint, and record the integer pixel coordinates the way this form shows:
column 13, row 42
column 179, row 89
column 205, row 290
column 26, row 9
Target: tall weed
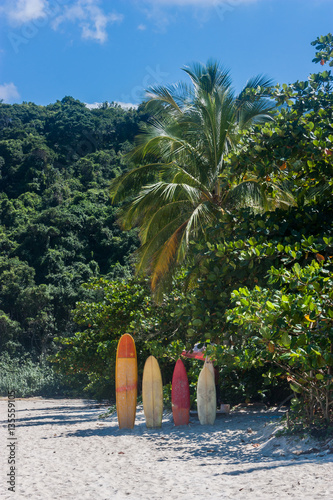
column 27, row 378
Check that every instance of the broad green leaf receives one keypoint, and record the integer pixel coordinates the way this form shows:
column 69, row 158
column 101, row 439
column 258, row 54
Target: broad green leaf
column 295, row 388
column 286, row 339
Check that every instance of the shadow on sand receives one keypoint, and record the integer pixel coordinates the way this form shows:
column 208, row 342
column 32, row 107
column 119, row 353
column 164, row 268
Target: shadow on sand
column 228, row 441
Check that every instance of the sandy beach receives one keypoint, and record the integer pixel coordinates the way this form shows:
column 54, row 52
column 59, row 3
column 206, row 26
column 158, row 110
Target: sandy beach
column 64, row 451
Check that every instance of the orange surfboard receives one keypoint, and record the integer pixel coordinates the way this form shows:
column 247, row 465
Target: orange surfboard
column 126, row 382
column 180, row 395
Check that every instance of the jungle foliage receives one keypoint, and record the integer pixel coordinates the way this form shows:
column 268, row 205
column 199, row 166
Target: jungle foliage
column 259, row 284
column 256, row 287
column 58, row 228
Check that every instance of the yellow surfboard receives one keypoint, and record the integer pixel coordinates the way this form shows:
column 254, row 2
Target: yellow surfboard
column 206, row 397
column 126, row 382
column 152, row 393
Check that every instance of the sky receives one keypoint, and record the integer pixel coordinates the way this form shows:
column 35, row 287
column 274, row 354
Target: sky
column 112, row 50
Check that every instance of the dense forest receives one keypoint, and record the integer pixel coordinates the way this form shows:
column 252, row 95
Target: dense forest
column 58, row 227
column 227, row 200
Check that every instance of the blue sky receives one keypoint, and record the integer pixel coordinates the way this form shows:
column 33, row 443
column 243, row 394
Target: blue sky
column 111, row 50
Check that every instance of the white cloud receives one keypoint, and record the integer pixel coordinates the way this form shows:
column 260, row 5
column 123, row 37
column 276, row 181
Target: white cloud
column 9, row 92
column 88, row 14
column 24, row 11
column 91, row 18
column 142, row 27
column 93, row 105
column 125, row 105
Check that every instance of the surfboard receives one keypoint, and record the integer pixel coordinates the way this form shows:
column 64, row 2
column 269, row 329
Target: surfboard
column 180, row 395
column 126, row 382
column 209, row 363
column 206, row 397
column 152, row 393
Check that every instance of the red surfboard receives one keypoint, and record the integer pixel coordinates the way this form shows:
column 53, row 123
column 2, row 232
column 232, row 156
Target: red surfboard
column 180, row 395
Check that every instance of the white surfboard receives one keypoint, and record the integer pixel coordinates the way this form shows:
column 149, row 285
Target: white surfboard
column 209, row 363
column 206, row 397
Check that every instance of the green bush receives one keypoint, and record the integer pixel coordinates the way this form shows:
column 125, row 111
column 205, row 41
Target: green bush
column 28, row 379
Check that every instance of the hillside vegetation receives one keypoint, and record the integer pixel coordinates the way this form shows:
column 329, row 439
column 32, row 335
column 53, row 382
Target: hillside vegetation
column 232, row 200
column 58, row 227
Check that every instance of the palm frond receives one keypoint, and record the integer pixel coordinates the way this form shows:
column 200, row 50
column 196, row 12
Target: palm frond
column 126, row 185
column 250, row 113
column 165, row 140
column 263, row 81
column 149, row 251
column 166, row 256
column 176, row 98
column 154, row 196
column 253, row 194
column 248, row 193
column 178, row 187
column 153, row 224
column 208, row 77
column 199, row 219
column 318, row 191
column 283, row 195
column 255, row 109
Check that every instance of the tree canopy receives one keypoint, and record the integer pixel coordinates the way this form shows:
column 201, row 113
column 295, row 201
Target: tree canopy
column 58, row 228
column 182, row 183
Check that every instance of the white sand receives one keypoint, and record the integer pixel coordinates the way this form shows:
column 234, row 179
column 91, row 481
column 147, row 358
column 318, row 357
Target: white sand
column 65, row 452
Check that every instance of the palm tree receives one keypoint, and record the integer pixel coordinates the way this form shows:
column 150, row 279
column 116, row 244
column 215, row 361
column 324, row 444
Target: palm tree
column 182, row 185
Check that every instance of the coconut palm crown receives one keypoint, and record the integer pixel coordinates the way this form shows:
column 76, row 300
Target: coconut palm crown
column 181, row 183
